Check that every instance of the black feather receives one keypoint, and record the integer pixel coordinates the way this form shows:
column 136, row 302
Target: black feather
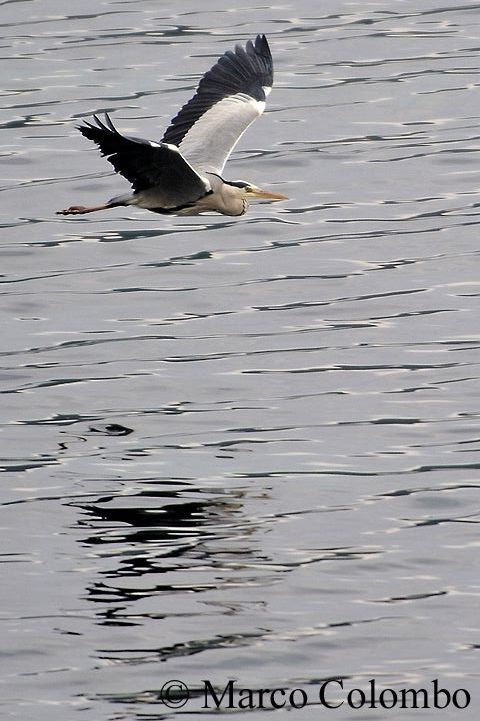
column 245, row 70
column 144, row 165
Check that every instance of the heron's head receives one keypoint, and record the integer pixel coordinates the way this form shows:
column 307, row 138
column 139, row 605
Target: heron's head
column 251, row 192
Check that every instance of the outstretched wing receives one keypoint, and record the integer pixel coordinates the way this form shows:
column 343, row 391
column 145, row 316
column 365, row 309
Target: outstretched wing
column 229, row 98
column 147, row 165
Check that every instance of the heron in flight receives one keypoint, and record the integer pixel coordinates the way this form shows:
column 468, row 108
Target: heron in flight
column 183, row 173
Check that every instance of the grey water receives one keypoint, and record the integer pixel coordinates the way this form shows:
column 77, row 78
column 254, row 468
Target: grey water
column 241, row 448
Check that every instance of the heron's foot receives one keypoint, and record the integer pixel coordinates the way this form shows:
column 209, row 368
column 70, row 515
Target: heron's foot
column 81, row 209
column 74, row 210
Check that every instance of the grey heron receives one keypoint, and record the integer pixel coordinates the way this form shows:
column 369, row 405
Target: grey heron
column 182, row 173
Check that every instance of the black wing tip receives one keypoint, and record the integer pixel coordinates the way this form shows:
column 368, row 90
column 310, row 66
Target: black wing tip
column 261, row 43
column 255, row 53
column 106, row 124
column 259, row 46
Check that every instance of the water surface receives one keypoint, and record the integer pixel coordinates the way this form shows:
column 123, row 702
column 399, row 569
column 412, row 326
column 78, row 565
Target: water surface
column 241, row 448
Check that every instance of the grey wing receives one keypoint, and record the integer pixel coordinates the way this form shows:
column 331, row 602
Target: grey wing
column 229, row 98
column 147, row 164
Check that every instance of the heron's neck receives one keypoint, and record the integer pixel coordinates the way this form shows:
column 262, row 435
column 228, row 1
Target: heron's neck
column 233, row 199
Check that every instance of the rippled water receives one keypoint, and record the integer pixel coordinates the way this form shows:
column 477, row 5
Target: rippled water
column 241, row 448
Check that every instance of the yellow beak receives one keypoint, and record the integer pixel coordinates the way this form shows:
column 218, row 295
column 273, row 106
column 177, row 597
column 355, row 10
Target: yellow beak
column 265, row 194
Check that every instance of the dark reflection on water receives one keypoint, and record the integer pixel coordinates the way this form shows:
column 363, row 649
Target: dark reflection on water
column 240, row 448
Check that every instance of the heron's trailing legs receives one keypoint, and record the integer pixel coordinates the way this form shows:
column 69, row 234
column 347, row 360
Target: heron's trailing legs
column 82, row 209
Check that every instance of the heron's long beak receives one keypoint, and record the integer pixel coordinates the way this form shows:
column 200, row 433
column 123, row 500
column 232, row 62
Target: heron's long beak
column 265, row 194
